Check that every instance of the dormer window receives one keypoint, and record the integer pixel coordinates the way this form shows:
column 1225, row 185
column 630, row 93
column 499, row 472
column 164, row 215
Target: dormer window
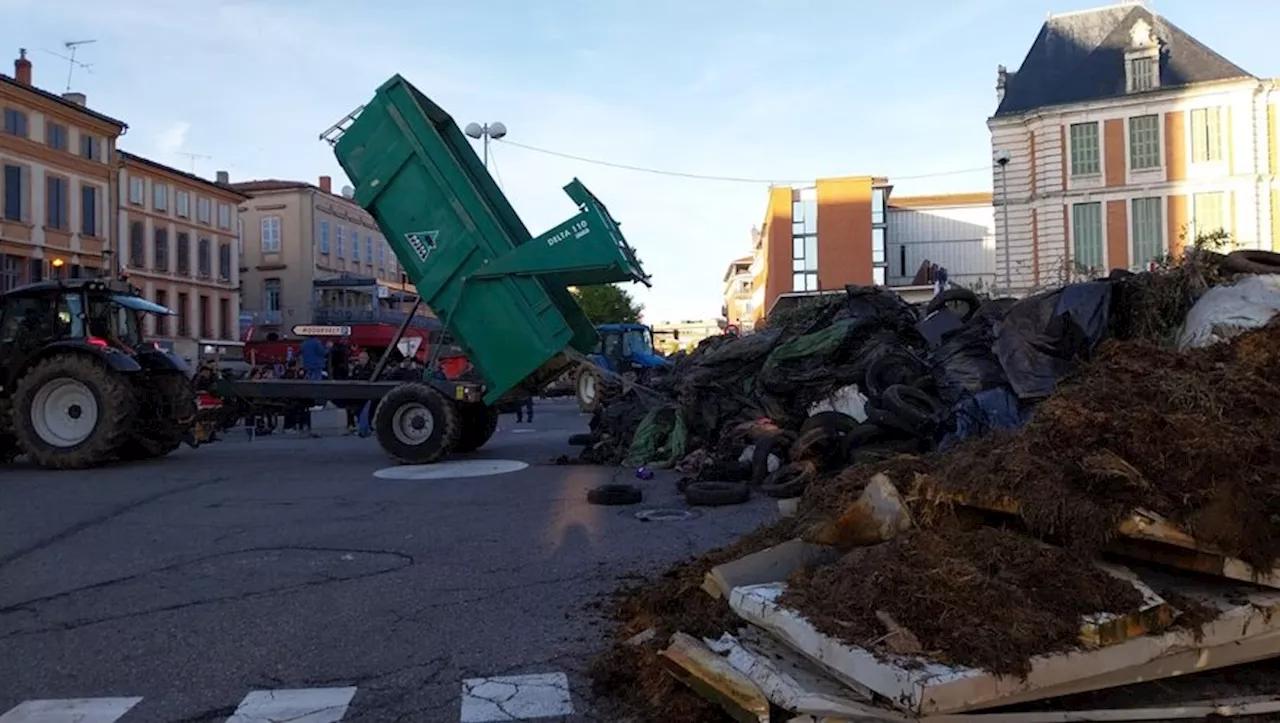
column 1142, row 59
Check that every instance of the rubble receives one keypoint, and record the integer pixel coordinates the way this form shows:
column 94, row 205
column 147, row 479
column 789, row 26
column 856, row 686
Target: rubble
column 972, row 489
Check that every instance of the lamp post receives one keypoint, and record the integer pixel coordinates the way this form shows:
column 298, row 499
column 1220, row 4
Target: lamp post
column 1002, row 159
column 487, row 131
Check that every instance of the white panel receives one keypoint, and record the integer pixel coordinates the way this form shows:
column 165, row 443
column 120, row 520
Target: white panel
column 306, row 705
column 516, row 697
column 70, row 710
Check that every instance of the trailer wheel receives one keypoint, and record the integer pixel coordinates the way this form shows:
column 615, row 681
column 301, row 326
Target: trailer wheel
column 478, row 423
column 72, row 412
column 415, row 424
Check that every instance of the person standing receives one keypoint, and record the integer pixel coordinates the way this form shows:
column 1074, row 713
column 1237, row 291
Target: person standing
column 315, row 356
column 525, row 408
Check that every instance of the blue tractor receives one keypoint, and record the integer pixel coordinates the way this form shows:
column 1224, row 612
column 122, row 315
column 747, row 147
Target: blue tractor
column 624, row 355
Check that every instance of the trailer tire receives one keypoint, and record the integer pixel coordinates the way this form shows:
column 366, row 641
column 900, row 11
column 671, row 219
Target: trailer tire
column 82, row 381
column 952, row 296
column 416, row 424
column 1253, row 261
column 478, row 423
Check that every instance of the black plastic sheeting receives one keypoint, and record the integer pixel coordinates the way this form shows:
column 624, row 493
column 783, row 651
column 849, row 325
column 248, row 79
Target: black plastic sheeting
column 1044, row 337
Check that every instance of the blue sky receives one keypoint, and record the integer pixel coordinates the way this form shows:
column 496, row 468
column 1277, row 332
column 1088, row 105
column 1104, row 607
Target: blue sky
column 785, row 90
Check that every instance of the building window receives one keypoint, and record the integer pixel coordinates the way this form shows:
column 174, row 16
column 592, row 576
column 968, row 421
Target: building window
column 224, row 216
column 204, row 210
column 271, row 293
column 162, row 321
column 89, row 146
column 137, row 246
column 1148, row 230
column 878, row 275
column 224, row 262
column 1086, row 236
column 160, row 196
column 36, row 270
column 15, row 196
column 137, row 189
column 338, row 239
column 270, row 234
column 1207, row 213
column 184, row 314
column 15, row 122
column 368, row 249
column 1084, row 149
column 1143, row 74
column 57, row 204
column 183, row 202
column 877, row 205
column 204, row 257
column 88, row 210
column 204, row 317
column 382, row 254
column 324, row 237
column 56, row 136
column 10, row 277
column 224, row 318
column 1144, row 142
column 877, row 246
column 804, row 240
column 184, row 254
column 161, row 253
column 1206, row 135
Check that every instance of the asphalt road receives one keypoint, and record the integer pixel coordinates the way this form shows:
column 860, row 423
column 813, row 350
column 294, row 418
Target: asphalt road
column 210, row 583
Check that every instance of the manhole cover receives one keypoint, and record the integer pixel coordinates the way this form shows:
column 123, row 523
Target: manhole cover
column 452, row 470
column 665, row 515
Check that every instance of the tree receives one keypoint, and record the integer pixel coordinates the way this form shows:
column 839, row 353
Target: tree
column 608, row 304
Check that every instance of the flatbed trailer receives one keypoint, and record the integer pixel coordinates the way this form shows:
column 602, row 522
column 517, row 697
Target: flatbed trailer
column 501, row 293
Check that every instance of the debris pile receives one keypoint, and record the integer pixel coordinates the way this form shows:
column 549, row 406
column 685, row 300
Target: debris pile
column 967, row 495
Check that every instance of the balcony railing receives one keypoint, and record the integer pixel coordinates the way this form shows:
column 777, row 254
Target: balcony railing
column 337, row 316
column 265, row 318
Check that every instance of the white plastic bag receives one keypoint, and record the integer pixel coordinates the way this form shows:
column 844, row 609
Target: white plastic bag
column 1228, row 311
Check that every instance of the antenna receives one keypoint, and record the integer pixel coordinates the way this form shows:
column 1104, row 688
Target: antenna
column 193, row 157
column 71, row 47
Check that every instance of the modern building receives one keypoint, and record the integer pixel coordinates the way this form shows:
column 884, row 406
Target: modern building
column 955, row 231
column 1118, row 139
column 670, row 337
column 57, row 186
column 315, row 257
column 851, row 230
column 180, row 244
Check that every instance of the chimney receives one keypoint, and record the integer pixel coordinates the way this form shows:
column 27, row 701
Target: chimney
column 1002, row 82
column 22, row 68
column 326, row 184
column 77, row 98
column 224, row 178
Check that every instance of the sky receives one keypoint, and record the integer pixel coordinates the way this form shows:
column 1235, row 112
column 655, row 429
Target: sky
column 758, row 90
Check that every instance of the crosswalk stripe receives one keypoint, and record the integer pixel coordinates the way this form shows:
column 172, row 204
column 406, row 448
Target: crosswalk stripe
column 305, row 705
column 516, row 698
column 70, row 710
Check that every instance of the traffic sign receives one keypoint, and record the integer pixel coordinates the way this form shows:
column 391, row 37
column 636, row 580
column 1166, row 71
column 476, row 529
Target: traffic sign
column 321, row 330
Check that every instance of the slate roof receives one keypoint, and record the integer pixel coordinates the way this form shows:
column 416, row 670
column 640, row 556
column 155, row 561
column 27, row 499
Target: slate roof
column 1079, row 57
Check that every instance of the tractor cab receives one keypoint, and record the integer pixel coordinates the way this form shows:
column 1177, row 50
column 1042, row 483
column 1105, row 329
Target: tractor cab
column 625, row 354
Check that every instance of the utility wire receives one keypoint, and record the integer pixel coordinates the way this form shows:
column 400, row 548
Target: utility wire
column 497, row 174
column 727, row 179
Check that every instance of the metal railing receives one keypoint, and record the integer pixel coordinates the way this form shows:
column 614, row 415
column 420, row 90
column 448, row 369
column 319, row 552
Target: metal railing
column 338, row 316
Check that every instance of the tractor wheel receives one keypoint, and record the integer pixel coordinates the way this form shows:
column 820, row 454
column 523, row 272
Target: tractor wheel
column 415, row 424
column 478, row 423
column 9, row 449
column 72, row 412
column 590, row 388
column 165, row 418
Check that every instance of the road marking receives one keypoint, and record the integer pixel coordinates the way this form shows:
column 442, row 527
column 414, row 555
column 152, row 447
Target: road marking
column 306, row 705
column 452, row 470
column 523, row 431
column 70, row 710
column 516, row 697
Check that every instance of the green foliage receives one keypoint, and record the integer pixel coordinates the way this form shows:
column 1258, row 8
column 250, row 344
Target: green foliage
column 608, row 304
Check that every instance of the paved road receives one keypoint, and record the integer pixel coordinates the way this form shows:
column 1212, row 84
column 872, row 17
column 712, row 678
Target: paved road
column 203, row 586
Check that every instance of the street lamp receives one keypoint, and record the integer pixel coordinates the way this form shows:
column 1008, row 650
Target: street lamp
column 487, row 131
column 57, row 268
column 1002, row 159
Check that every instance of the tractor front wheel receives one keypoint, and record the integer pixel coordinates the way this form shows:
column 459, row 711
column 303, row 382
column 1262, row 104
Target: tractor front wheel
column 416, row 424
column 72, row 412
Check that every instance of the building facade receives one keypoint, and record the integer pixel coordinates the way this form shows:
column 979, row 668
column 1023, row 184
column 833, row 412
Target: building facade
column 57, row 185
column 1119, row 140
column 738, row 291
column 954, row 231
column 312, row 256
column 180, row 244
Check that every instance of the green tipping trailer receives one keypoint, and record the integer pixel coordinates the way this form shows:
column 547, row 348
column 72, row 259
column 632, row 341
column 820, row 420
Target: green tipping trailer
column 501, row 293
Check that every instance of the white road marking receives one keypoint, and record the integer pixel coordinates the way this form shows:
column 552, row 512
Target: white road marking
column 516, row 697
column 307, row 705
column 452, row 470
column 70, row 710
column 523, row 431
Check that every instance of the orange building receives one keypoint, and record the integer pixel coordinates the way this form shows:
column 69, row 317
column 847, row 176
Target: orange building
column 820, row 238
column 57, row 186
